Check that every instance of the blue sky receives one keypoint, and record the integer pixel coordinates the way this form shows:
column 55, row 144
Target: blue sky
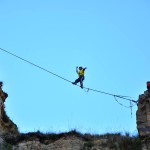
column 110, row 38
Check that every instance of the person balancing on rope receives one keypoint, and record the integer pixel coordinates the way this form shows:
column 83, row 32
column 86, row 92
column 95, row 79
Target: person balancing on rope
column 80, row 73
column 148, row 86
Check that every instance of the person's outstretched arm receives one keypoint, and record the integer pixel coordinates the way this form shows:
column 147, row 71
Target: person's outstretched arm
column 84, row 68
column 77, row 70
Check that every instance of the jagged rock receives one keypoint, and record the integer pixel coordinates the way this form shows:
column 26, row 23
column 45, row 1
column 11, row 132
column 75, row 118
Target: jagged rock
column 68, row 143
column 143, row 119
column 6, row 125
column 143, row 114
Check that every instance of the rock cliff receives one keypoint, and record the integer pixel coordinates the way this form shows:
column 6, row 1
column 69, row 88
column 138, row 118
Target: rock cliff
column 6, row 125
column 143, row 119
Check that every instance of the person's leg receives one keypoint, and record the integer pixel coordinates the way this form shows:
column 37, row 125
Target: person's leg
column 81, row 81
column 76, row 81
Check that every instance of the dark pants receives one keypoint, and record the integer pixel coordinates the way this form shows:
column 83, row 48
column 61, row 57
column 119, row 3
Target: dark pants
column 80, row 79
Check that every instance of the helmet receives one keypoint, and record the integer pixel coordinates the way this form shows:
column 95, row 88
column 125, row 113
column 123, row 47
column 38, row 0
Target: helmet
column 80, row 67
column 148, row 83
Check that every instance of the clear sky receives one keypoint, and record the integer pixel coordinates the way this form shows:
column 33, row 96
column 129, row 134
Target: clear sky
column 110, row 38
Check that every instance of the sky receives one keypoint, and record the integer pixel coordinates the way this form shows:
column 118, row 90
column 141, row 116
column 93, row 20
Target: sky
column 110, row 38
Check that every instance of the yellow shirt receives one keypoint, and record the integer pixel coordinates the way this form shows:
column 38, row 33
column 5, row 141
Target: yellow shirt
column 81, row 72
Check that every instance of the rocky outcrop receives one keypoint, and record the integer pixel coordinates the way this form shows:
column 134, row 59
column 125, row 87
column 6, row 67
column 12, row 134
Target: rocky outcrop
column 73, row 140
column 65, row 143
column 143, row 119
column 143, row 114
column 6, row 125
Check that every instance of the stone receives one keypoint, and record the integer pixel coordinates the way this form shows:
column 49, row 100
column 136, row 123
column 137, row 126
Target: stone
column 143, row 118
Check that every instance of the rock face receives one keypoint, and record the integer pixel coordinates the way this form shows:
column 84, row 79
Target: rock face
column 74, row 141
column 6, row 125
column 143, row 119
column 143, row 114
column 67, row 143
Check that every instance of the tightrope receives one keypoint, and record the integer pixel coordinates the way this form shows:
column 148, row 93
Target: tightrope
column 88, row 89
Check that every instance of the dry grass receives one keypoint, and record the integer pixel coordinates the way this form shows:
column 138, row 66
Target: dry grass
column 114, row 141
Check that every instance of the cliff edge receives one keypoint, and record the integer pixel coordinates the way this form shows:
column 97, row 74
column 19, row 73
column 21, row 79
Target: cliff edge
column 6, row 125
column 143, row 119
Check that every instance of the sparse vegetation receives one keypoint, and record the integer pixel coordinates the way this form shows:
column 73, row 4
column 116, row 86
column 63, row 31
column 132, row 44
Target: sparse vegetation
column 5, row 146
column 113, row 141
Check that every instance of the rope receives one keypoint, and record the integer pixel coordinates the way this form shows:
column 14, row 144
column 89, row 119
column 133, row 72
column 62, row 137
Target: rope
column 34, row 64
column 130, row 107
column 119, row 96
column 87, row 89
column 121, row 103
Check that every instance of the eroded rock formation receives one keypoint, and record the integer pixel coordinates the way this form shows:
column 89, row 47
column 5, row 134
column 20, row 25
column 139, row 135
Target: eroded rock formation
column 143, row 114
column 143, row 119
column 6, row 125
